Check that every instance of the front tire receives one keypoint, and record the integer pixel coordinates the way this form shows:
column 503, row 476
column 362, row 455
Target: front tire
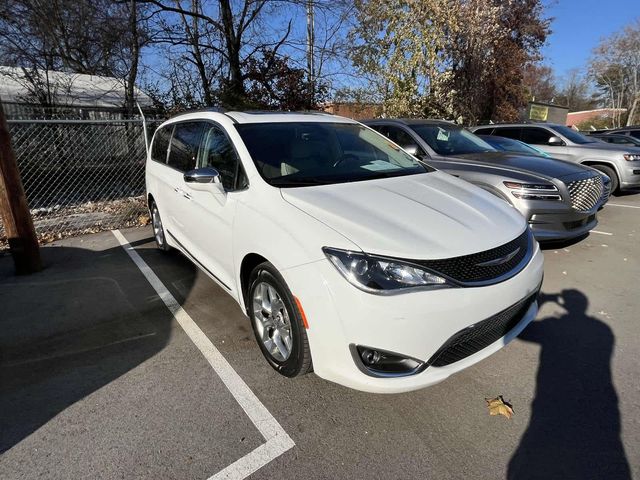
column 277, row 323
column 609, row 172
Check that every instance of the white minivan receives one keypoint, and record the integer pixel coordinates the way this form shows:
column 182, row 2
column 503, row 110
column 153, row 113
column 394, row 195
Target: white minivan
column 349, row 256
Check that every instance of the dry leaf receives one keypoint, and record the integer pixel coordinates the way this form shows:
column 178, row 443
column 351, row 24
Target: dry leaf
column 144, row 220
column 497, row 406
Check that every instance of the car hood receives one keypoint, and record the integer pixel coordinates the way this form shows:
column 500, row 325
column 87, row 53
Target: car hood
column 426, row 216
column 549, row 167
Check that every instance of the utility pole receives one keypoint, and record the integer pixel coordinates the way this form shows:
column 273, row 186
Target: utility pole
column 14, row 209
column 311, row 40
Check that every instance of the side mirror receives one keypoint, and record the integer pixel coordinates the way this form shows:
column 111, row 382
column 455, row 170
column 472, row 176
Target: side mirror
column 203, row 178
column 555, row 141
column 411, row 149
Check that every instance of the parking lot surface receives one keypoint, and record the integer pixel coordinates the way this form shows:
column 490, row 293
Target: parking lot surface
column 99, row 380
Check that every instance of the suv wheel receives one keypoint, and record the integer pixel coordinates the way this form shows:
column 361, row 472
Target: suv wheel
column 609, row 172
column 277, row 322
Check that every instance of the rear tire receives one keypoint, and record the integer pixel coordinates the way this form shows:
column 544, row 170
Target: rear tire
column 158, row 230
column 277, row 323
column 609, row 172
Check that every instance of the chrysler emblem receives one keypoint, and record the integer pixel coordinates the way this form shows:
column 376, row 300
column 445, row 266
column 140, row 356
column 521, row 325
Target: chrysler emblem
column 499, row 261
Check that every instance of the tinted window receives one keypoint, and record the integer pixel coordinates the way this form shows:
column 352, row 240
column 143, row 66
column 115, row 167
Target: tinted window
column 536, row 136
column 509, row 132
column 635, row 133
column 184, row 145
column 161, row 143
column 572, row 135
column 402, row 138
column 313, row 153
column 483, row 131
column 449, row 139
column 217, row 152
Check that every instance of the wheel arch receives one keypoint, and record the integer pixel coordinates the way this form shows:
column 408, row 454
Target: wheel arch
column 249, row 262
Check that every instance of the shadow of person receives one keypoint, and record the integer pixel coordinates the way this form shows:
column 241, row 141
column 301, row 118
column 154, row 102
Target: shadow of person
column 574, row 431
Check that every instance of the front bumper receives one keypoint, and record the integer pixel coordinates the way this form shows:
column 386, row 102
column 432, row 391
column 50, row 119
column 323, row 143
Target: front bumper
column 415, row 324
column 557, row 226
column 630, row 176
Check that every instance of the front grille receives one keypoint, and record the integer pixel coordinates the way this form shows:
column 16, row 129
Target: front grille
column 483, row 267
column 476, row 337
column 585, row 194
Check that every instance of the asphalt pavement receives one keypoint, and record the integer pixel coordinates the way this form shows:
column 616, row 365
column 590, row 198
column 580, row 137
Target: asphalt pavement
column 99, row 379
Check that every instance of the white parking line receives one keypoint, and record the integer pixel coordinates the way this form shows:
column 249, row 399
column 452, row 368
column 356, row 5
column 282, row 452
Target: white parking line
column 621, row 205
column 601, row 233
column 277, row 440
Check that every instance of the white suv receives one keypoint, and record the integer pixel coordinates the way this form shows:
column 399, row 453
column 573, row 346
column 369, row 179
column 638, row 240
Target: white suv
column 341, row 247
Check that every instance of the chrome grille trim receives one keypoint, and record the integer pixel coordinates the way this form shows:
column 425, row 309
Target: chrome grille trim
column 585, row 194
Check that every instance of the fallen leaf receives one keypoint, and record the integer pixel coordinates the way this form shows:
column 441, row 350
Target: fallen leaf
column 497, row 406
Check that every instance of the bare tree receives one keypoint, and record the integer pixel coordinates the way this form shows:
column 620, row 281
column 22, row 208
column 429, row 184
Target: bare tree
column 615, row 67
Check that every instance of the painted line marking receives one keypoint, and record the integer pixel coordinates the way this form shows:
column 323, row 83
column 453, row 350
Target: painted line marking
column 601, row 233
column 277, row 440
column 621, row 205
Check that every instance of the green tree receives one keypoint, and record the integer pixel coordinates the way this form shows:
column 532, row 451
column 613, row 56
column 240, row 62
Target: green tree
column 461, row 59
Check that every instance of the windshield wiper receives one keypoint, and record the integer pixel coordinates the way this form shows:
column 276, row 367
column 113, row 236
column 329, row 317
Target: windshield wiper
column 297, row 182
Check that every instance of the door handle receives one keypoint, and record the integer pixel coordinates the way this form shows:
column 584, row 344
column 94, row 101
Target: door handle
column 179, row 191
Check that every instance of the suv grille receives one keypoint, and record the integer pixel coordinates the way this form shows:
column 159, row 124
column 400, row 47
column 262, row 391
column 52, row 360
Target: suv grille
column 585, row 194
column 490, row 265
column 476, row 337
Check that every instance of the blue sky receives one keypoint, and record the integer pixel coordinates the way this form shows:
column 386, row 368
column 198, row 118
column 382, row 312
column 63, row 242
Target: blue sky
column 578, row 27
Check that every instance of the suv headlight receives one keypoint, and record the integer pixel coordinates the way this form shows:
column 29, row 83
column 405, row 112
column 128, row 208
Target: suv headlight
column 533, row 191
column 631, row 156
column 382, row 275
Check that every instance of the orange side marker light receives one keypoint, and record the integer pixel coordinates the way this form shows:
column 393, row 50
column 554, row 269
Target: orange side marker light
column 302, row 314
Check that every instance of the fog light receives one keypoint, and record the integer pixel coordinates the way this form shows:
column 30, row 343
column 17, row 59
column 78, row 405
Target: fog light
column 381, row 363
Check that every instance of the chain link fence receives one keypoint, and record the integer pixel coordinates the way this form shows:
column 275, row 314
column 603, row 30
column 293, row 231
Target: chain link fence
column 80, row 176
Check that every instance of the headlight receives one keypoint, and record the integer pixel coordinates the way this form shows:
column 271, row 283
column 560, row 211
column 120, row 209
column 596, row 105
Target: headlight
column 533, row 191
column 631, row 156
column 381, row 275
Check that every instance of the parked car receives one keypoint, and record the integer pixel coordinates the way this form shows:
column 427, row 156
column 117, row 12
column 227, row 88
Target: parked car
column 632, row 131
column 515, row 146
column 617, row 139
column 347, row 253
column 620, row 163
column 558, row 199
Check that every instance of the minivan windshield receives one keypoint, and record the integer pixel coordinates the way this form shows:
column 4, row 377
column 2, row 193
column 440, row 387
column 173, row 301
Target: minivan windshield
column 451, row 139
column 294, row 154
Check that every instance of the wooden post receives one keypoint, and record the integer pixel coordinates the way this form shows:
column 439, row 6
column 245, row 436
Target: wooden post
column 14, row 209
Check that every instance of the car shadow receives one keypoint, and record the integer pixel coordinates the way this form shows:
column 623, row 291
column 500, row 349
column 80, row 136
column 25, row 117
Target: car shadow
column 574, row 430
column 87, row 319
column 555, row 244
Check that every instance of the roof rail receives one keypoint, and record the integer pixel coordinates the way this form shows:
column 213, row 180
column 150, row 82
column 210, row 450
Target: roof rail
column 201, row 110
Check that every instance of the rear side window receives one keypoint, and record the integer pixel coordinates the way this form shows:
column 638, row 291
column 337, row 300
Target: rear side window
column 508, row 132
column 536, row 136
column 184, row 145
column 161, row 144
column 483, row 131
column 635, row 133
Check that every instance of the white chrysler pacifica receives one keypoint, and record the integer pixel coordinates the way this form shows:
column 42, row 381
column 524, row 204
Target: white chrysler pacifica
column 350, row 257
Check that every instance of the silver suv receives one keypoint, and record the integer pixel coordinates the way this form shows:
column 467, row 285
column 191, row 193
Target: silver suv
column 620, row 163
